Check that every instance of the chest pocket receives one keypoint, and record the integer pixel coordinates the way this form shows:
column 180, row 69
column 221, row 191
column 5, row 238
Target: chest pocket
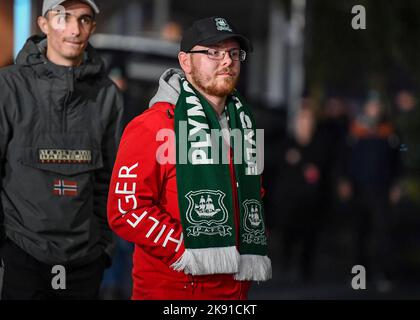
column 63, row 154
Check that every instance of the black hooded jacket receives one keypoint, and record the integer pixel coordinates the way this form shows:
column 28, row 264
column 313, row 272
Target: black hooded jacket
column 59, row 133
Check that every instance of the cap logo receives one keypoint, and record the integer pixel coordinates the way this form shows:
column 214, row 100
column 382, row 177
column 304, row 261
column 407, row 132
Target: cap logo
column 222, row 25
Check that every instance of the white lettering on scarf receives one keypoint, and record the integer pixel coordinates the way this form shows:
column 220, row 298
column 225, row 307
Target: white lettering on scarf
column 250, row 144
column 199, row 152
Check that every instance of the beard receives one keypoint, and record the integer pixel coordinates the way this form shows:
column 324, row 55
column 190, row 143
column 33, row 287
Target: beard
column 215, row 86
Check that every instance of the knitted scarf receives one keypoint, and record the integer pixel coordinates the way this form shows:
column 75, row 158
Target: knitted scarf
column 215, row 240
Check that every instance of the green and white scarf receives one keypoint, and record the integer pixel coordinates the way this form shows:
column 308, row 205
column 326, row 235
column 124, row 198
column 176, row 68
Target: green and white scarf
column 205, row 193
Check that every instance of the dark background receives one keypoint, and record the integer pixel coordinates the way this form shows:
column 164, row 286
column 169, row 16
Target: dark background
column 317, row 46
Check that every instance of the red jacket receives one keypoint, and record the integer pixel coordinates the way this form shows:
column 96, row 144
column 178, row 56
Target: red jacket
column 143, row 209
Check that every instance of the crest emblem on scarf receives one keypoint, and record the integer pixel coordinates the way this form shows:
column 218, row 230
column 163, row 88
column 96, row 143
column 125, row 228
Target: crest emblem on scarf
column 206, row 213
column 222, row 25
column 253, row 222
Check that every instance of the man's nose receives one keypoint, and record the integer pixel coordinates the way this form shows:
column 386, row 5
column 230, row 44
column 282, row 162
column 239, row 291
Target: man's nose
column 74, row 27
column 227, row 60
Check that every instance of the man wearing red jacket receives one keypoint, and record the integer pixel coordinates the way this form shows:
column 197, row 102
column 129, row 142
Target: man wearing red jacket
column 186, row 185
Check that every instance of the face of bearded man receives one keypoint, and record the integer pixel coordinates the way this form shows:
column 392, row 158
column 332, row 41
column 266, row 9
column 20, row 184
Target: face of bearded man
column 220, row 84
column 216, row 77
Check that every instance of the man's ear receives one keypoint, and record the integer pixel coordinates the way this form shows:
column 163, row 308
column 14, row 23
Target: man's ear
column 43, row 24
column 184, row 62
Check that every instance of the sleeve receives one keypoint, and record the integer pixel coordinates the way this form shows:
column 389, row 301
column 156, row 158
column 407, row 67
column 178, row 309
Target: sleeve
column 5, row 136
column 134, row 210
column 102, row 177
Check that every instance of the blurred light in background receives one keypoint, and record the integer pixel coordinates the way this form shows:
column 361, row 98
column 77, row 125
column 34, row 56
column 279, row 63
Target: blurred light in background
column 22, row 23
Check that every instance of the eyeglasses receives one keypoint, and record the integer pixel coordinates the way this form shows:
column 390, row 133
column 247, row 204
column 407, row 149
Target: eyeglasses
column 61, row 18
column 215, row 54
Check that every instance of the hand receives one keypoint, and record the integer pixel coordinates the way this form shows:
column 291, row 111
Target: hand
column 344, row 190
column 311, row 173
column 395, row 194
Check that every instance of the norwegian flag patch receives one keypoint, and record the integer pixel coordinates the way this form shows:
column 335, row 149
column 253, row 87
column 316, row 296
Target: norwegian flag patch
column 65, row 188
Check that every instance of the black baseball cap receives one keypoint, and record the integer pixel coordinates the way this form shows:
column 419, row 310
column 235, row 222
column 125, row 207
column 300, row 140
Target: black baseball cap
column 210, row 31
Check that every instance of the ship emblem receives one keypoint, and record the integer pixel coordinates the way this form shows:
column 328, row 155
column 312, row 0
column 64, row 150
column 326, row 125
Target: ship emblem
column 253, row 222
column 205, row 208
column 254, row 217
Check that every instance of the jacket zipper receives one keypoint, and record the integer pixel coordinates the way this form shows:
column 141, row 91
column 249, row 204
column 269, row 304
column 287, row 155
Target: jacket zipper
column 69, row 78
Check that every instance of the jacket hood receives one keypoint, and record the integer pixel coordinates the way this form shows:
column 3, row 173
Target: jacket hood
column 169, row 87
column 33, row 54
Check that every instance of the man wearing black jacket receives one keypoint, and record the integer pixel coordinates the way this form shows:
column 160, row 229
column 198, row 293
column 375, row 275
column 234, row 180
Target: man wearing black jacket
column 60, row 127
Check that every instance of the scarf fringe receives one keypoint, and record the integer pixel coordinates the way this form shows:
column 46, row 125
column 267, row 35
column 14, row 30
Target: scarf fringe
column 254, row 267
column 208, row 261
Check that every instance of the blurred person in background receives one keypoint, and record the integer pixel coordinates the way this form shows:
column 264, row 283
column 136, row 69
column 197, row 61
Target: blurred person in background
column 406, row 195
column 408, row 126
column 60, row 121
column 370, row 175
column 171, row 31
column 302, row 187
column 333, row 127
column 197, row 225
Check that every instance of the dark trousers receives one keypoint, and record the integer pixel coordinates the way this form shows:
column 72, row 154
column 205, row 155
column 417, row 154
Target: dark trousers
column 301, row 229
column 25, row 278
column 373, row 225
